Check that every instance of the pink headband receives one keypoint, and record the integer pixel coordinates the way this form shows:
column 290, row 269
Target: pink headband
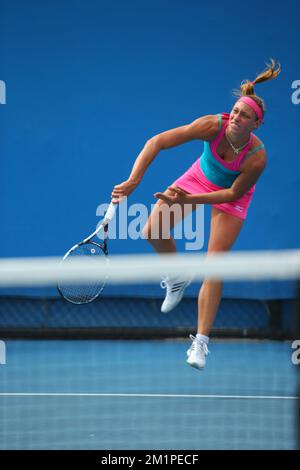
column 250, row 102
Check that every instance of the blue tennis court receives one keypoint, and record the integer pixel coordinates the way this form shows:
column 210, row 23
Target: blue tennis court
column 79, row 103
column 103, row 394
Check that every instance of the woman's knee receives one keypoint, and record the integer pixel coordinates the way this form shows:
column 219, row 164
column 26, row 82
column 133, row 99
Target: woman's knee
column 155, row 230
column 158, row 225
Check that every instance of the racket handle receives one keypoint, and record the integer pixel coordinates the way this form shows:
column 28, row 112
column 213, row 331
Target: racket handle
column 110, row 213
column 107, row 218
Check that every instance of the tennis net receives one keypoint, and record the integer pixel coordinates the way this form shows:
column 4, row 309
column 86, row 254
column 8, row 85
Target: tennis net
column 112, row 374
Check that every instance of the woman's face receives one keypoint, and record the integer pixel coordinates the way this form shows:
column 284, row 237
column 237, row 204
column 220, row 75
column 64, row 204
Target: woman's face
column 242, row 119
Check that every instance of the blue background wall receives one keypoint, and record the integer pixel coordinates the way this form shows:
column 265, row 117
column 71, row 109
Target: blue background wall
column 88, row 82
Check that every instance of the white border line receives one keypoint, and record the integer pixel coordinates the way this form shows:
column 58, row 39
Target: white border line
column 151, row 395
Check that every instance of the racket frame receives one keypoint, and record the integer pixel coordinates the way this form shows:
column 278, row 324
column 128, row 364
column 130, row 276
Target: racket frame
column 103, row 246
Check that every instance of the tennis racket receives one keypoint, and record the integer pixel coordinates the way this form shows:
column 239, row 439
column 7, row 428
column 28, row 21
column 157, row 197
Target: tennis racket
column 86, row 293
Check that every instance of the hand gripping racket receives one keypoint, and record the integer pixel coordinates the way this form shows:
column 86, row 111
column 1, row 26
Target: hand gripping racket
column 85, row 293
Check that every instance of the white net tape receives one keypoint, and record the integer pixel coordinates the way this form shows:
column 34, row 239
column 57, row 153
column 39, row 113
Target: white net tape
column 235, row 266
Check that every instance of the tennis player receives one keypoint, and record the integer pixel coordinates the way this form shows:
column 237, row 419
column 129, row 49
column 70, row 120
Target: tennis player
column 225, row 176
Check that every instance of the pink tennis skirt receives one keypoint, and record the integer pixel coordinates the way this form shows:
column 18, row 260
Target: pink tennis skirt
column 193, row 181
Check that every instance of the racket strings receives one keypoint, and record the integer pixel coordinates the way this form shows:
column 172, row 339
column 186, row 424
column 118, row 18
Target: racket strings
column 83, row 293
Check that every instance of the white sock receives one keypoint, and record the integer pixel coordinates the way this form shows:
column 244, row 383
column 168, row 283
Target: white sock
column 203, row 338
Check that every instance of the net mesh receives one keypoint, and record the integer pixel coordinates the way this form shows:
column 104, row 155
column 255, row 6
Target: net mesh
column 112, row 374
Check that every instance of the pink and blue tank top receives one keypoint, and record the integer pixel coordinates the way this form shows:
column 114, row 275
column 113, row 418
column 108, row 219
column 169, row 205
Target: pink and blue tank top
column 217, row 170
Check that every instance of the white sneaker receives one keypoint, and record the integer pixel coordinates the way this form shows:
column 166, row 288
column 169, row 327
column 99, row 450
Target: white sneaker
column 197, row 353
column 175, row 289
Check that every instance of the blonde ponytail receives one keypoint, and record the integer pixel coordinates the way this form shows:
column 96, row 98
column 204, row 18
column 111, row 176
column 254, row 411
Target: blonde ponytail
column 247, row 87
